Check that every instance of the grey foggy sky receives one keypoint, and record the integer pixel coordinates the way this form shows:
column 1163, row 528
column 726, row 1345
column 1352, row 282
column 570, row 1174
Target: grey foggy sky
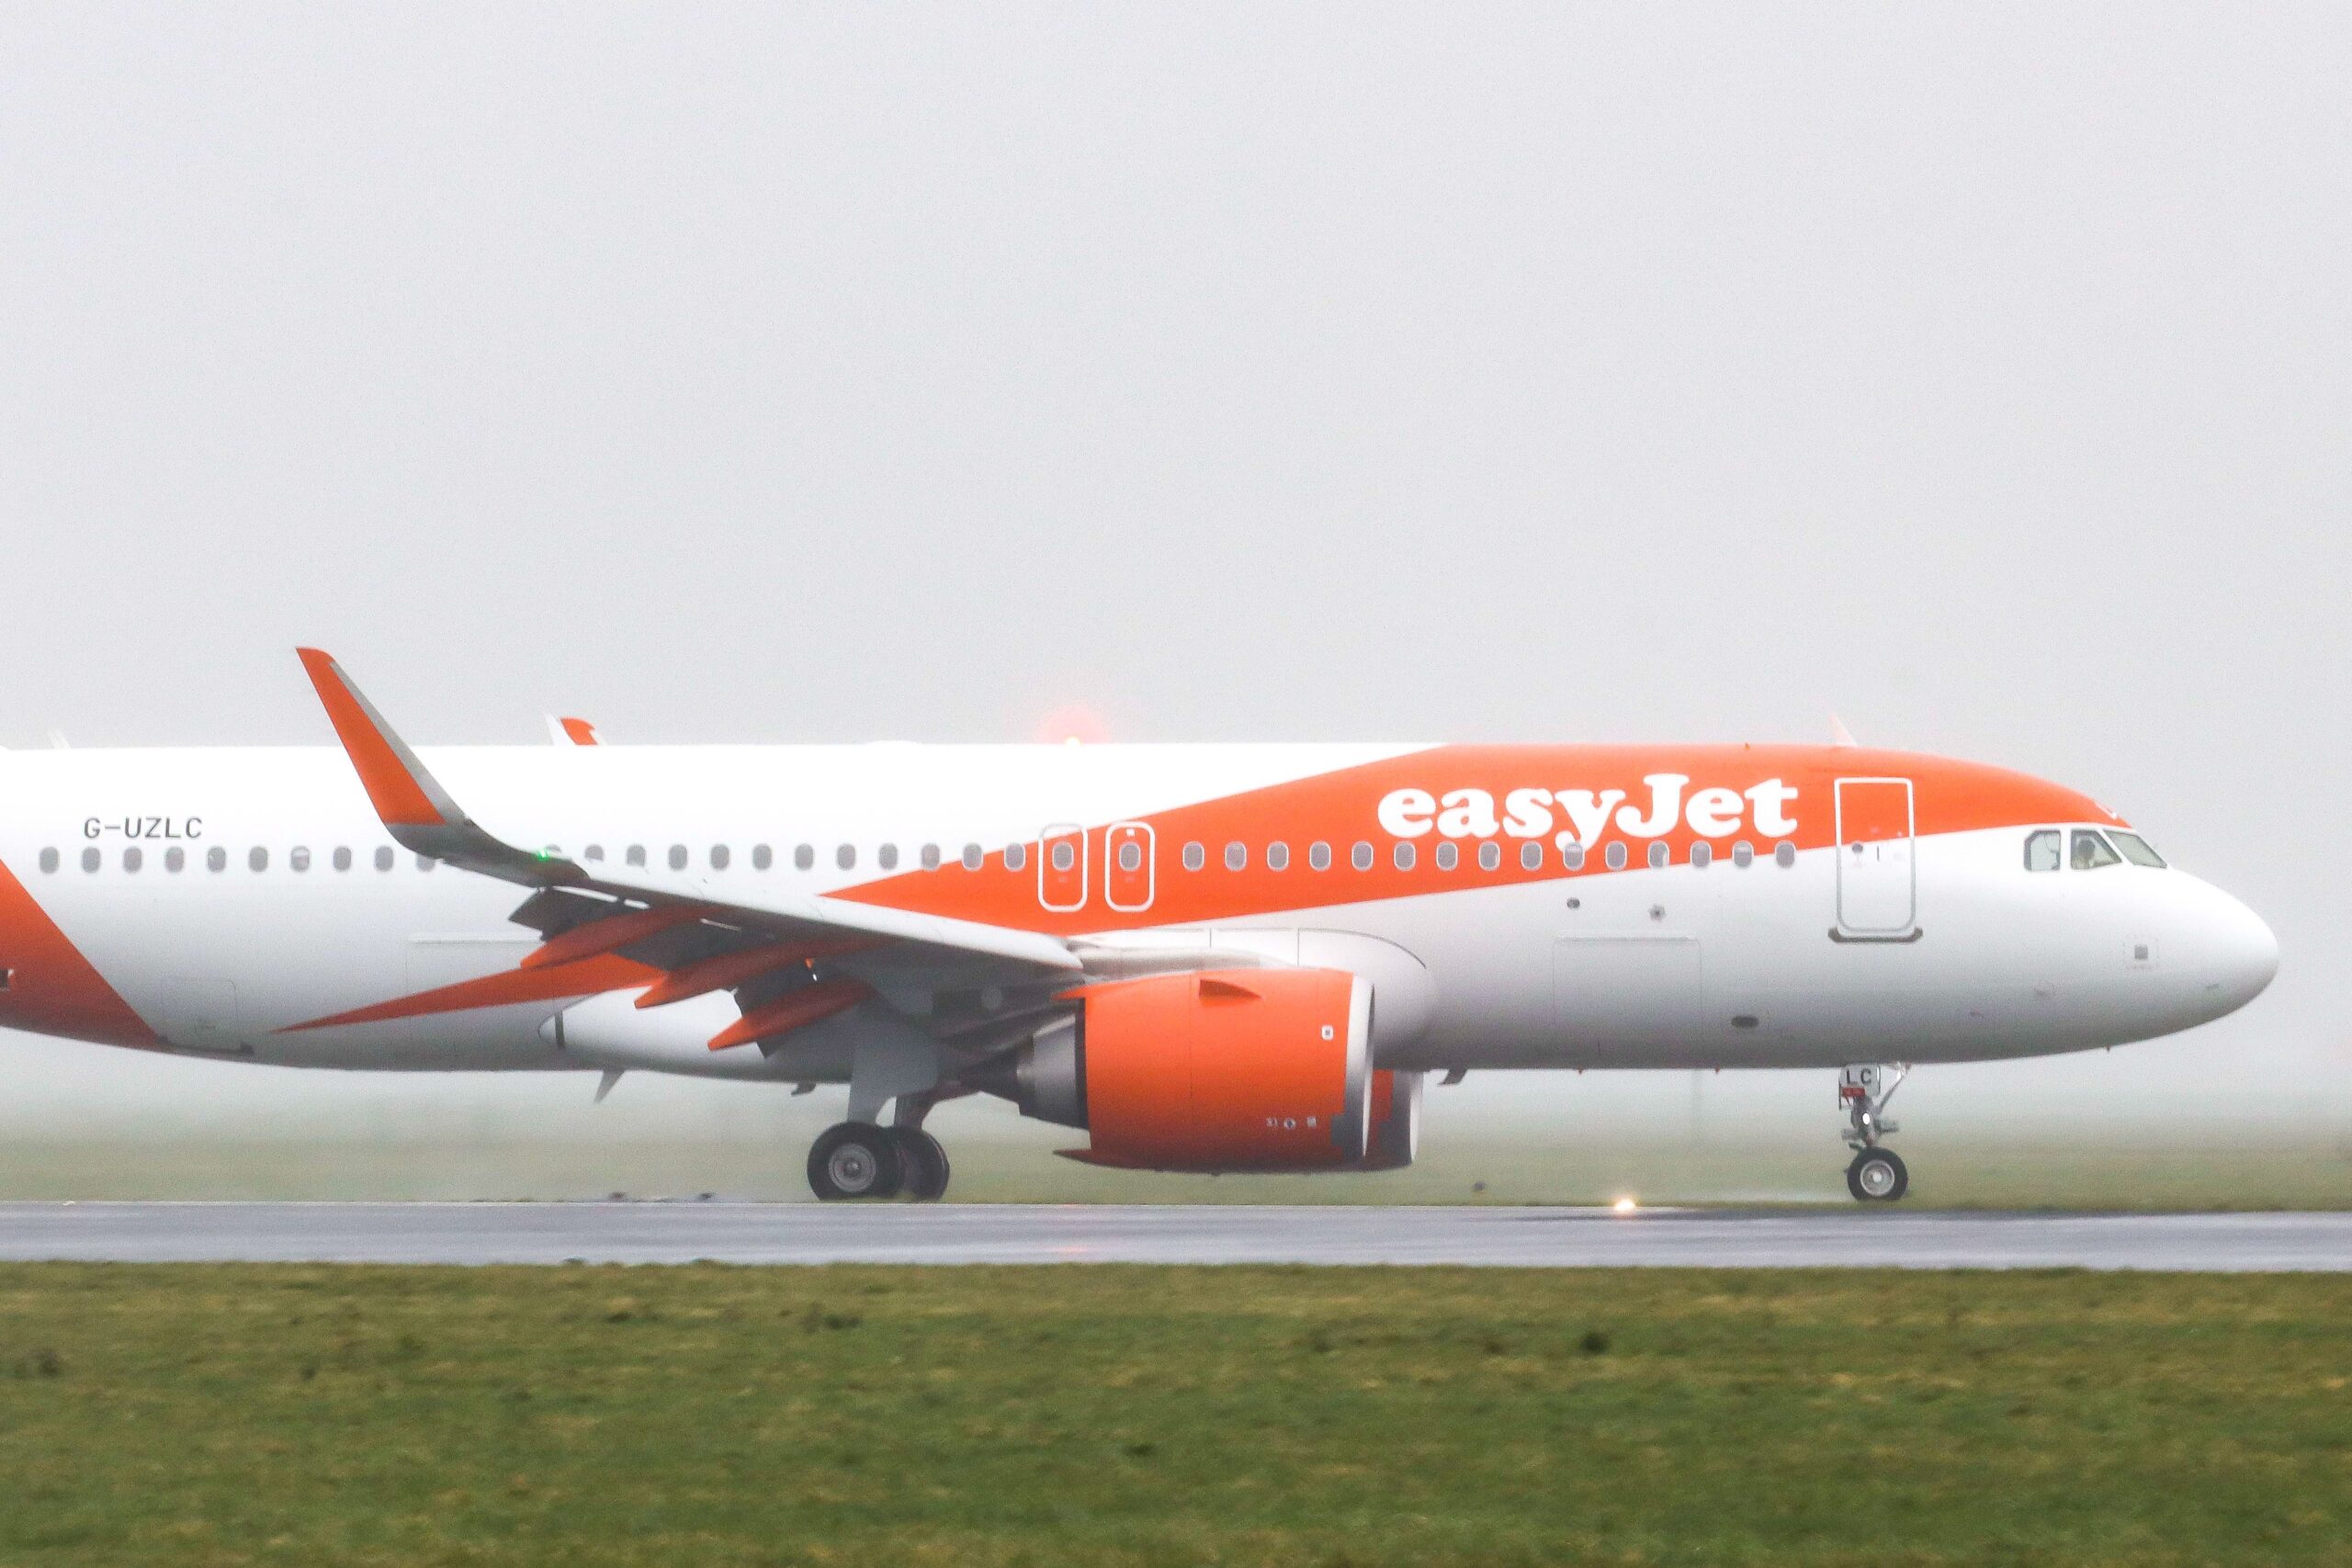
column 1977, row 373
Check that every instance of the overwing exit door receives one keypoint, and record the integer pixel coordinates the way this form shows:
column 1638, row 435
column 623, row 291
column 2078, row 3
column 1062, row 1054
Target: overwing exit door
column 1126, row 866
column 1061, row 868
column 1877, row 883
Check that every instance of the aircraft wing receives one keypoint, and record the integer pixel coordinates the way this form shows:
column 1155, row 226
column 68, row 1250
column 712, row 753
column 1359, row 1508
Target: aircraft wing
column 766, row 949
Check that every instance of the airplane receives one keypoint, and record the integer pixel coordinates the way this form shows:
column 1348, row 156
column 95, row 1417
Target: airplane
column 1203, row 958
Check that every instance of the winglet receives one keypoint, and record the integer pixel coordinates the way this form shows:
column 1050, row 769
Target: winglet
column 418, row 812
column 404, row 794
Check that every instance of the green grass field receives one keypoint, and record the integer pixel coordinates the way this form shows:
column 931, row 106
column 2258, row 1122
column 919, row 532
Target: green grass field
column 712, row 1415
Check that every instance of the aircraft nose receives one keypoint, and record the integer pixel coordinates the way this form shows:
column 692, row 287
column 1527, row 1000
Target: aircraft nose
column 2244, row 952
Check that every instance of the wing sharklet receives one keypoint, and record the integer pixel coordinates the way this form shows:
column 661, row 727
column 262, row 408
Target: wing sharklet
column 423, row 817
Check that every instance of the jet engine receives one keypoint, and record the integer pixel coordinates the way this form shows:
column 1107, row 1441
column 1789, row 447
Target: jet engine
column 1220, row 1070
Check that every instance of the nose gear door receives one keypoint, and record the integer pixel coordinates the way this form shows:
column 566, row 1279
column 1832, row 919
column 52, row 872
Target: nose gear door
column 1877, row 881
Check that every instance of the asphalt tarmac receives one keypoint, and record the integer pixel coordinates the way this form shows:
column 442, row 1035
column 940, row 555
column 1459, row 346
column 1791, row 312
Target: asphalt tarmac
column 684, row 1231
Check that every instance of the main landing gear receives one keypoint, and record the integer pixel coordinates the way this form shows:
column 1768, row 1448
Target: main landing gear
column 859, row 1159
column 1877, row 1175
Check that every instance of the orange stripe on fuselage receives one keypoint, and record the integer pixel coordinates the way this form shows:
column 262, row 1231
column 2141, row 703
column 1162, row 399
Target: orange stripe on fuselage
column 589, row 976
column 1342, row 807
column 53, row 990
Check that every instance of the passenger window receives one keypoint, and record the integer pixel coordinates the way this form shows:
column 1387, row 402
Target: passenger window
column 300, row 859
column 1448, row 856
column 175, row 858
column 342, row 858
column 427, row 862
column 804, row 858
column 1660, row 853
column 217, row 859
column 1743, row 855
column 845, row 857
column 720, row 857
column 1015, row 856
column 1237, row 856
column 1702, row 855
column 133, row 858
column 1277, row 857
column 636, row 855
column 1403, row 856
column 48, row 860
column 974, row 857
column 887, row 857
column 1616, row 856
column 1319, row 857
column 2092, row 853
column 763, row 857
column 1131, row 856
column 930, row 857
column 2041, row 849
column 259, row 859
column 1195, row 857
column 596, row 852
column 1361, row 856
column 89, row 860
column 1784, row 854
column 1065, row 854
column 1572, row 857
column 2135, row 848
column 1531, row 856
column 1491, row 856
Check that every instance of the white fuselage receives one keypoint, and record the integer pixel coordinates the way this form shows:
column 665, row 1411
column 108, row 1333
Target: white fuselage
column 233, row 897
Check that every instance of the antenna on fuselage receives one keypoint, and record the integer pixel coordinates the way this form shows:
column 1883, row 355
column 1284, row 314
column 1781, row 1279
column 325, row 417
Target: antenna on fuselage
column 1838, row 734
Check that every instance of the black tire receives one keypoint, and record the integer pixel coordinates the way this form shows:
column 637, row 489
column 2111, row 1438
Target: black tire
column 856, row 1159
column 1877, row 1176
column 925, row 1163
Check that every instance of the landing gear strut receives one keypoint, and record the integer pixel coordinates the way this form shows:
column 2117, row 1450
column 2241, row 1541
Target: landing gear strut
column 1877, row 1175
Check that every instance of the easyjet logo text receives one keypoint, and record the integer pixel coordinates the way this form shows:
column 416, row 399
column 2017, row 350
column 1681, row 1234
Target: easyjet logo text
column 1583, row 816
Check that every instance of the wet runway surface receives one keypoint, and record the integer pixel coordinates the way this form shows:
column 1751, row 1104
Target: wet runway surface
column 790, row 1232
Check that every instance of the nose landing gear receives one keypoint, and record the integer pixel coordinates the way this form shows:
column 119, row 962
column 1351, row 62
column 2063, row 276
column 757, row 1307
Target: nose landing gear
column 1877, row 1175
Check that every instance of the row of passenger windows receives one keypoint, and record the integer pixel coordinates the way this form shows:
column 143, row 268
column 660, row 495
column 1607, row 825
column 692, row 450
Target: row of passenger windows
column 217, row 859
column 1405, row 855
column 2045, row 850
column 2088, row 851
column 1062, row 855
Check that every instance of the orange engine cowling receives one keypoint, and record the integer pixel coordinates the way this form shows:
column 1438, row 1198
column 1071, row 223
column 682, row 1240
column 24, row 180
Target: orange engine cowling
column 1236, row 1069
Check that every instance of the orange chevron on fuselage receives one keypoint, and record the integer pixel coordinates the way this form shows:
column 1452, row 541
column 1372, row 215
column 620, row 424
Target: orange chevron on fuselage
column 1465, row 796
column 51, row 988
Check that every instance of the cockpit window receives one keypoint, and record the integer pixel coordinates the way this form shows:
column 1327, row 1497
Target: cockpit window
column 2091, row 851
column 2135, row 847
column 2041, row 849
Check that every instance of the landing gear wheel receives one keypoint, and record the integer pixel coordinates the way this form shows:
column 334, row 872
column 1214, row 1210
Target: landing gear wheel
column 925, row 1162
column 1877, row 1176
column 856, row 1159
